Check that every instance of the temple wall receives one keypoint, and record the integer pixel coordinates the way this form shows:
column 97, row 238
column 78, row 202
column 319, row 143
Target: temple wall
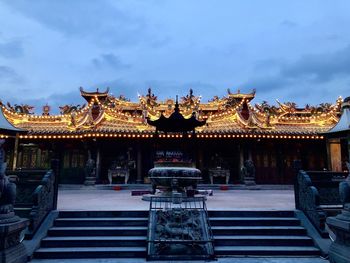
column 273, row 159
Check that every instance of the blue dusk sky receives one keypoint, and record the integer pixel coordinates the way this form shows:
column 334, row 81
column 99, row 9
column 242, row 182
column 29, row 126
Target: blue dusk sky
column 287, row 50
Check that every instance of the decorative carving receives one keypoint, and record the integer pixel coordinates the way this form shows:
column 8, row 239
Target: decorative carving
column 214, row 99
column 46, row 110
column 67, row 109
column 21, row 108
column 189, row 100
column 177, row 231
column 90, row 171
column 123, row 98
column 264, row 107
column 151, row 99
column 7, row 192
column 248, row 172
column 288, row 107
column 312, row 196
column 43, row 201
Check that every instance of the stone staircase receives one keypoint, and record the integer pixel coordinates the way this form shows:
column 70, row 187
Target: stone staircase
column 122, row 234
column 96, row 234
column 260, row 233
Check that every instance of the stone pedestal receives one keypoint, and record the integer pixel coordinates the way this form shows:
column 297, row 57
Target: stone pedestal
column 339, row 251
column 249, row 180
column 11, row 248
column 90, row 180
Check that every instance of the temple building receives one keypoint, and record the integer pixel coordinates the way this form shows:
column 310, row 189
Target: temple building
column 112, row 137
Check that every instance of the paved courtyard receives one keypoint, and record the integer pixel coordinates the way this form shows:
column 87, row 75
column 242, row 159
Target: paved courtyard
column 90, row 198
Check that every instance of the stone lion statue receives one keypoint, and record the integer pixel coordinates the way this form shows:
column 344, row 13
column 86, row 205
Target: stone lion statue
column 7, row 189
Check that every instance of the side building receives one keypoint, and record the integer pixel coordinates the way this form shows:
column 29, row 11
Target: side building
column 109, row 137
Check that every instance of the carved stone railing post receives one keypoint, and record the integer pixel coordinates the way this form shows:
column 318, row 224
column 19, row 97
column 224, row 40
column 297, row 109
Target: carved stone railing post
column 339, row 251
column 43, row 201
column 309, row 201
column 55, row 166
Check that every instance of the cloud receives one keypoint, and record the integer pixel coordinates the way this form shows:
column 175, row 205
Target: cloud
column 289, row 23
column 320, row 67
column 99, row 21
column 109, row 60
column 266, row 83
column 163, row 89
column 312, row 69
column 10, row 75
column 11, row 49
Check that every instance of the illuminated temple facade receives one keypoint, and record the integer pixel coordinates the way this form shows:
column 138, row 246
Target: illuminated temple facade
column 112, row 130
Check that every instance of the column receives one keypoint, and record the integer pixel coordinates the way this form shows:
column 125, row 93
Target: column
column 15, row 153
column 98, row 162
column 241, row 162
column 139, row 179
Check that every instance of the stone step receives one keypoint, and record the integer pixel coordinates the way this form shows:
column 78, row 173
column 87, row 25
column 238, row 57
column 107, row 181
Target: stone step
column 94, row 241
column 258, row 230
column 101, row 221
column 299, row 251
column 89, row 252
column 90, row 214
column 263, row 241
column 253, row 213
column 98, row 231
column 254, row 221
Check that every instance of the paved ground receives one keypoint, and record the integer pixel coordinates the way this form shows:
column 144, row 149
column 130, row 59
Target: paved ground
column 95, row 199
column 221, row 260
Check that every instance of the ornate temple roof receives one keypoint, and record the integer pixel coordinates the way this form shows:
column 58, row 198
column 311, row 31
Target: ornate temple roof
column 234, row 115
column 176, row 121
column 342, row 128
column 6, row 128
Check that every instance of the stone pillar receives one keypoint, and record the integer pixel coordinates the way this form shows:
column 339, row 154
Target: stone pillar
column 98, row 163
column 139, row 179
column 334, row 155
column 241, row 162
column 11, row 226
column 250, row 155
column 15, row 153
column 11, row 248
column 339, row 251
column 349, row 149
column 200, row 158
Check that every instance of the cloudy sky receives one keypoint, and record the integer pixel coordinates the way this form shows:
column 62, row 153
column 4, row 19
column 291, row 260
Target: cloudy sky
column 288, row 50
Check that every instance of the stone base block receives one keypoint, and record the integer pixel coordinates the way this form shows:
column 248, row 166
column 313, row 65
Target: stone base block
column 16, row 254
column 339, row 253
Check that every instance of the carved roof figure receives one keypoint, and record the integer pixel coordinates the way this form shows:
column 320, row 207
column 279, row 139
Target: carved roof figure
column 67, row 109
column 21, row 109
